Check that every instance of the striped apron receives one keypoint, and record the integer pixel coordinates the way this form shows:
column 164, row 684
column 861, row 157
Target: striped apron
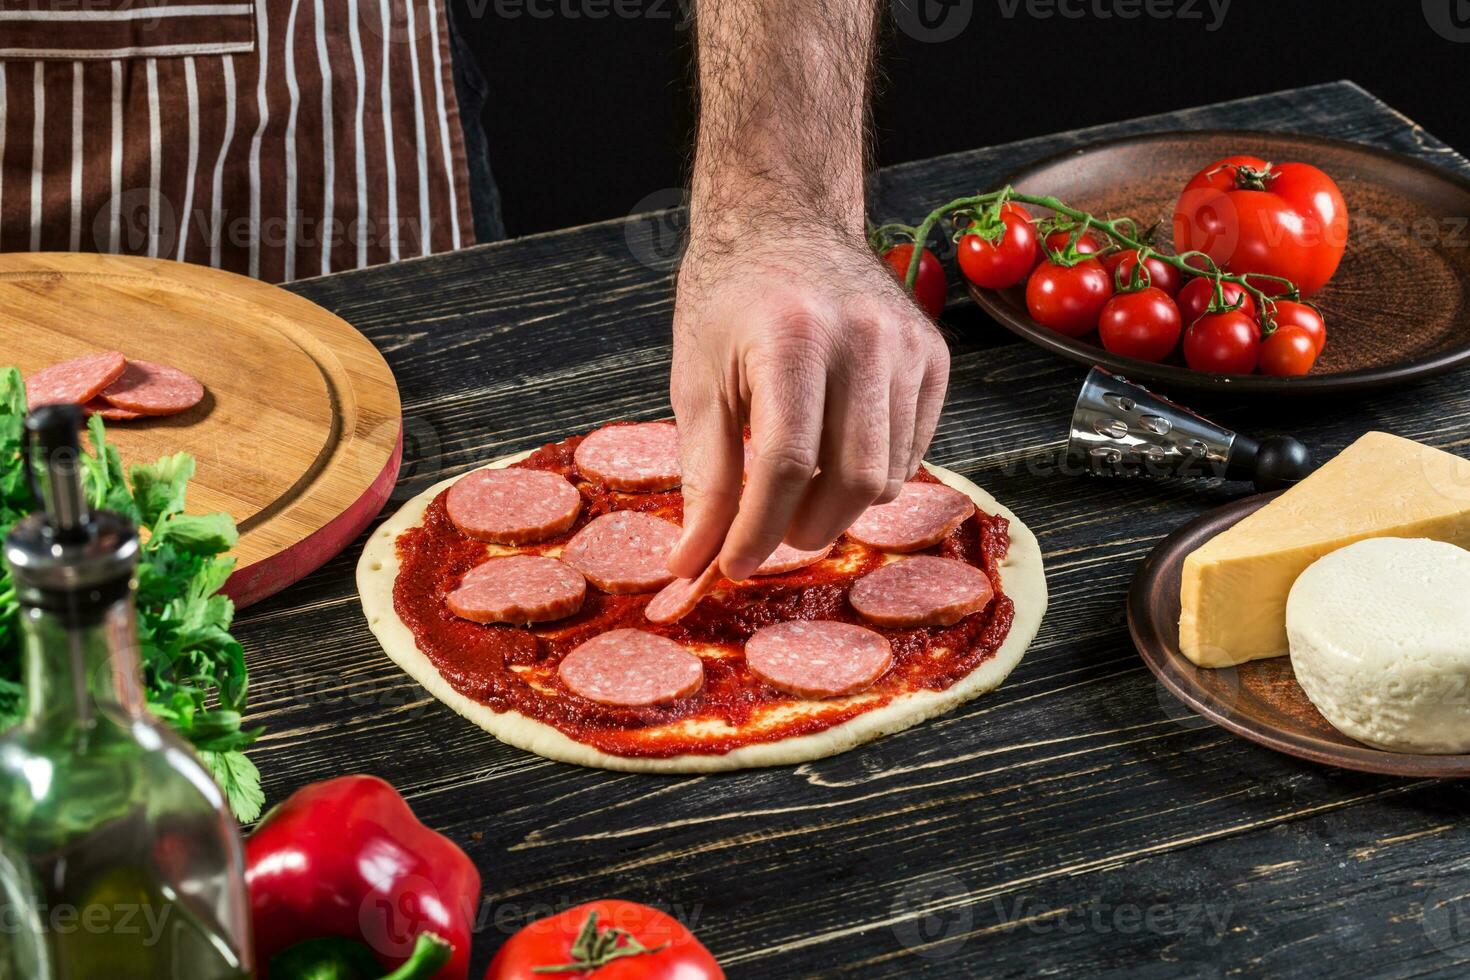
column 275, row 138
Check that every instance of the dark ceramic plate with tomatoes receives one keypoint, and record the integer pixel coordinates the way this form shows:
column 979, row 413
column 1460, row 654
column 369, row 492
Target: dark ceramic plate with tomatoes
column 1259, row 700
column 1398, row 307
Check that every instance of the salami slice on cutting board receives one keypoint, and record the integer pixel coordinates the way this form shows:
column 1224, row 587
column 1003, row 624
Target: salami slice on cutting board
column 153, row 389
column 921, row 591
column 77, row 381
column 109, row 411
column 631, row 668
column 624, row 552
column 921, row 515
column 678, row 599
column 518, row 589
column 513, row 506
column 818, row 658
column 641, row 457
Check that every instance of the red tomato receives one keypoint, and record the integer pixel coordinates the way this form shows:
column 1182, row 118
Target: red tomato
column 548, row 942
column 1088, row 244
column 1006, row 262
column 1223, row 343
column 1161, row 275
column 1142, row 324
column 1292, row 223
column 1195, row 297
column 1304, row 318
column 930, row 286
column 1288, row 352
column 1068, row 300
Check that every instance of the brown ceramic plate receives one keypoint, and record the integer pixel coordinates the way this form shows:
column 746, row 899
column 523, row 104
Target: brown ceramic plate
column 1398, row 307
column 1261, row 699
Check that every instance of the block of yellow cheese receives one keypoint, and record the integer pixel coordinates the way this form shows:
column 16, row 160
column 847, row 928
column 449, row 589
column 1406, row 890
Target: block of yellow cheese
column 1233, row 595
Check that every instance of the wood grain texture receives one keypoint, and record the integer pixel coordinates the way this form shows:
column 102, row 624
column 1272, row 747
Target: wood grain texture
column 300, row 417
column 1077, row 821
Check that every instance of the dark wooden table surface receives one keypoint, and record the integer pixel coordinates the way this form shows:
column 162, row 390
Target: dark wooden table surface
column 1077, row 821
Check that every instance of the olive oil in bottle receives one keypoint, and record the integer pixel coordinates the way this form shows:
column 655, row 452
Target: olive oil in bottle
column 118, row 856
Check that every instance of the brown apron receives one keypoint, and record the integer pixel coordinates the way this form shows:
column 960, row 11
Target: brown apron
column 276, row 138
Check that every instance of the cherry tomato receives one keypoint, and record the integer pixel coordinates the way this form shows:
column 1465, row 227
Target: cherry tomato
column 1088, row 244
column 1161, row 275
column 1143, row 324
column 548, row 943
column 1288, row 352
column 1285, row 219
column 1004, row 263
column 1223, row 343
column 930, row 286
column 1068, row 300
column 1195, row 297
column 1304, row 318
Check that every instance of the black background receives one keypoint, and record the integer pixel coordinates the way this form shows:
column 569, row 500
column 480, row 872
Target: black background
column 591, row 114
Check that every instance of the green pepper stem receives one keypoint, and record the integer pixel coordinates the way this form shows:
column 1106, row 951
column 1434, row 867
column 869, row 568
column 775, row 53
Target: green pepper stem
column 430, row 953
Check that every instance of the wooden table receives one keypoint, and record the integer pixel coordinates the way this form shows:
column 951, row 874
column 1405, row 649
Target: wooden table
column 1077, row 821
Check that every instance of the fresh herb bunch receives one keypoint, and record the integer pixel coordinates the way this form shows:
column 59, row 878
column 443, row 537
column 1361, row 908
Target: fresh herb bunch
column 193, row 670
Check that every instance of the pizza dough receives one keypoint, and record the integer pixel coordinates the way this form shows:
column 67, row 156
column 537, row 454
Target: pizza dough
column 1022, row 578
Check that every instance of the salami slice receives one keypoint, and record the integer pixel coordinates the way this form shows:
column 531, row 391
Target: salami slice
column 921, row 515
column 624, row 552
column 513, row 506
column 817, row 658
column 642, row 457
column 631, row 669
column 153, row 389
column 788, row 559
column 678, row 599
column 108, row 411
column 75, row 381
column 518, row 589
column 921, row 591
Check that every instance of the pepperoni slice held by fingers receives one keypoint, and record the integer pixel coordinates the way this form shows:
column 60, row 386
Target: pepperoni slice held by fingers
column 640, row 457
column 788, row 559
column 631, row 669
column 513, row 506
column 678, row 599
column 518, row 589
column 624, row 552
column 921, row 515
column 817, row 658
column 921, row 591
column 153, row 389
column 78, row 380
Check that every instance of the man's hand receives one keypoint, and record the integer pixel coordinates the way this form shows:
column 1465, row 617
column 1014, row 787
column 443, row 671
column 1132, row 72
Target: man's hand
column 840, row 375
column 784, row 318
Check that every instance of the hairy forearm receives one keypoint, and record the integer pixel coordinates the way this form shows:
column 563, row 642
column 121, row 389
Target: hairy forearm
column 784, row 88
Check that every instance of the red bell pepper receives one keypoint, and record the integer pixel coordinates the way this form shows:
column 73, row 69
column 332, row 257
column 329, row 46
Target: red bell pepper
column 347, row 859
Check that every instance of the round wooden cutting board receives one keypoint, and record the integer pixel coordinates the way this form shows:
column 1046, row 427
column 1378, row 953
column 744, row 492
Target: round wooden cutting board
column 299, row 434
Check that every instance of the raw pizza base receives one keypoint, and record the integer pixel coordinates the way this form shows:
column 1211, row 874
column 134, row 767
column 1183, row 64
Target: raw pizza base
column 1022, row 578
